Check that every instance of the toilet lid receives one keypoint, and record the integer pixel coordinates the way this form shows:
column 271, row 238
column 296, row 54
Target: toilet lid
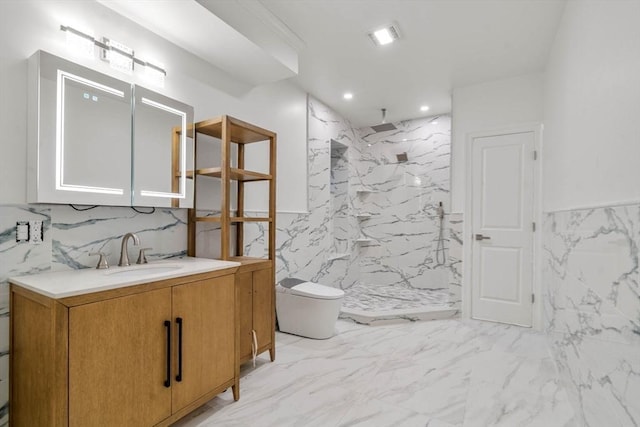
column 314, row 290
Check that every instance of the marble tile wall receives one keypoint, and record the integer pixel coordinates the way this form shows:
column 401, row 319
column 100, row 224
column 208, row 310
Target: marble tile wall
column 305, row 242
column 404, row 226
column 454, row 261
column 69, row 237
column 592, row 310
column 339, row 198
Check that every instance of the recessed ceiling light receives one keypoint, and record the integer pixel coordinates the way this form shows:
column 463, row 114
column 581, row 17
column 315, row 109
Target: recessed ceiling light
column 386, row 35
column 348, row 95
column 424, row 108
column 434, row 123
column 404, row 139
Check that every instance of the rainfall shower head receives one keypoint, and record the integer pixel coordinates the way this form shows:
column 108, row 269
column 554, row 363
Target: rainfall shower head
column 384, row 126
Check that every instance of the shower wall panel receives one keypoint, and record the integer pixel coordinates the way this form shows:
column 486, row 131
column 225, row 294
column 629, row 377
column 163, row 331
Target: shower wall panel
column 305, row 242
column 404, row 227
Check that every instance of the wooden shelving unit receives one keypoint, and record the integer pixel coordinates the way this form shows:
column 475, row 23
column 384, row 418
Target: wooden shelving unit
column 255, row 279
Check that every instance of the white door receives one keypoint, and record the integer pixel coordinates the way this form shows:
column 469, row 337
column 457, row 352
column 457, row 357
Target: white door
column 503, row 227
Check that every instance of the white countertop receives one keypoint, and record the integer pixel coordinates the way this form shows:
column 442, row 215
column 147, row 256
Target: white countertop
column 62, row 284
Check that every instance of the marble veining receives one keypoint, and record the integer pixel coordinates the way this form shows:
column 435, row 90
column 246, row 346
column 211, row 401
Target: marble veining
column 592, row 310
column 454, row 261
column 442, row 373
column 402, row 222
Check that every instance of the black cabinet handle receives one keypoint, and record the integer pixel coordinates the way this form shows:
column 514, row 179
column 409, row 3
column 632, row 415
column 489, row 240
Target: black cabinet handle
column 167, row 382
column 179, row 322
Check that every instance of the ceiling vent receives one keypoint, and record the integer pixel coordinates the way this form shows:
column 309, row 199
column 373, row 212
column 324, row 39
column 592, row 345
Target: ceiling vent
column 384, row 35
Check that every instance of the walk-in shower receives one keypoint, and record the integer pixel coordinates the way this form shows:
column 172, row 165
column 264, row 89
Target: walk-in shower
column 399, row 191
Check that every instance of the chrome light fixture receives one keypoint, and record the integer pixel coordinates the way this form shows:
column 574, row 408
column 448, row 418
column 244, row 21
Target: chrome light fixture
column 120, row 57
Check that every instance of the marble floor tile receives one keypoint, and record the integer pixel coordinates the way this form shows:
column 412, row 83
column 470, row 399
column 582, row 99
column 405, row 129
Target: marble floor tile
column 373, row 412
column 492, row 405
column 442, row 373
column 393, row 297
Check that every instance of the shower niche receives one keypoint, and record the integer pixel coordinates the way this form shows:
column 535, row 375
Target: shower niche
column 339, row 191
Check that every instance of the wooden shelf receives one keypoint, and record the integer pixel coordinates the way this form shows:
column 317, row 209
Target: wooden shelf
column 255, row 278
column 235, row 174
column 241, row 132
column 208, row 218
column 234, row 219
column 250, row 219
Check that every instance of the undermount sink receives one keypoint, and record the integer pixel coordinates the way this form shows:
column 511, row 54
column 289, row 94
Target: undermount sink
column 146, row 270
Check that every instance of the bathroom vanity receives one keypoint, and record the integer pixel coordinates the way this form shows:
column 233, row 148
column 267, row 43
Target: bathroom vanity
column 136, row 346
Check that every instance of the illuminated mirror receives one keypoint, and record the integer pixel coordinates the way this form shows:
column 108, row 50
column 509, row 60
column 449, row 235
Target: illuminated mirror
column 81, row 135
column 162, row 151
column 96, row 140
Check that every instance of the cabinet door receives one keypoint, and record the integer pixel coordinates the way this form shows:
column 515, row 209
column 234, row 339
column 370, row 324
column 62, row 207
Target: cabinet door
column 117, row 361
column 206, row 310
column 263, row 289
column 244, row 284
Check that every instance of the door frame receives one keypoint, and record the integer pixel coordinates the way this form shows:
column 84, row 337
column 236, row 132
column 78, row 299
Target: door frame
column 467, row 282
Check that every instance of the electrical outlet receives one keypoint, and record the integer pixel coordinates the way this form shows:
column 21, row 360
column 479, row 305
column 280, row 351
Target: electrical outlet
column 36, row 231
column 22, row 231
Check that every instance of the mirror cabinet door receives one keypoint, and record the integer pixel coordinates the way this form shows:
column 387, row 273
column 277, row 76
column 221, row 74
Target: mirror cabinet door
column 162, row 151
column 81, row 135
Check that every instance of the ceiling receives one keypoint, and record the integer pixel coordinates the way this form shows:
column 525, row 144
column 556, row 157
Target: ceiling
column 444, row 44
column 323, row 46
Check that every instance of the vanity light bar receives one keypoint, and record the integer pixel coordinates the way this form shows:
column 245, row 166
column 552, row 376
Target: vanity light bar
column 106, row 46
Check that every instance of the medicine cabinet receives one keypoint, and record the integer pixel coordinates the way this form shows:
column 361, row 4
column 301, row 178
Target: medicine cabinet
column 97, row 140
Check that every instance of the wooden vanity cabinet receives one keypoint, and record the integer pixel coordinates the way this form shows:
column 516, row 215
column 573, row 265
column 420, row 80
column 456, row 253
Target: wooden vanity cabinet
column 256, row 309
column 143, row 355
column 117, row 361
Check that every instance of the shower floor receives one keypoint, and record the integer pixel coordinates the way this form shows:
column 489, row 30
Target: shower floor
column 372, row 304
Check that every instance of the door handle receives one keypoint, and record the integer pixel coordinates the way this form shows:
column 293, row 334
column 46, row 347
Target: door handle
column 167, row 382
column 481, row 237
column 179, row 322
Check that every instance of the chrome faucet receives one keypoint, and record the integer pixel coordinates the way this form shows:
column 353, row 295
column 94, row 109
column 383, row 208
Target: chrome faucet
column 124, row 254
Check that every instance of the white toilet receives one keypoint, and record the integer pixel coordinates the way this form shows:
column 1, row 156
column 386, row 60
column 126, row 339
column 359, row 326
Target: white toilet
column 307, row 309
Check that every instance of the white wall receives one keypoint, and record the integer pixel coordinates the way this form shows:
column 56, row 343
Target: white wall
column 488, row 106
column 592, row 107
column 26, row 26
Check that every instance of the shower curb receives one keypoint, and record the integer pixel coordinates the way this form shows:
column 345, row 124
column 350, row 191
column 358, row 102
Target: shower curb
column 374, row 318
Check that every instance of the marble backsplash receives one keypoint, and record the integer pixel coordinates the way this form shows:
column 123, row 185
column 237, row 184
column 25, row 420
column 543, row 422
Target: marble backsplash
column 69, row 237
column 592, row 310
